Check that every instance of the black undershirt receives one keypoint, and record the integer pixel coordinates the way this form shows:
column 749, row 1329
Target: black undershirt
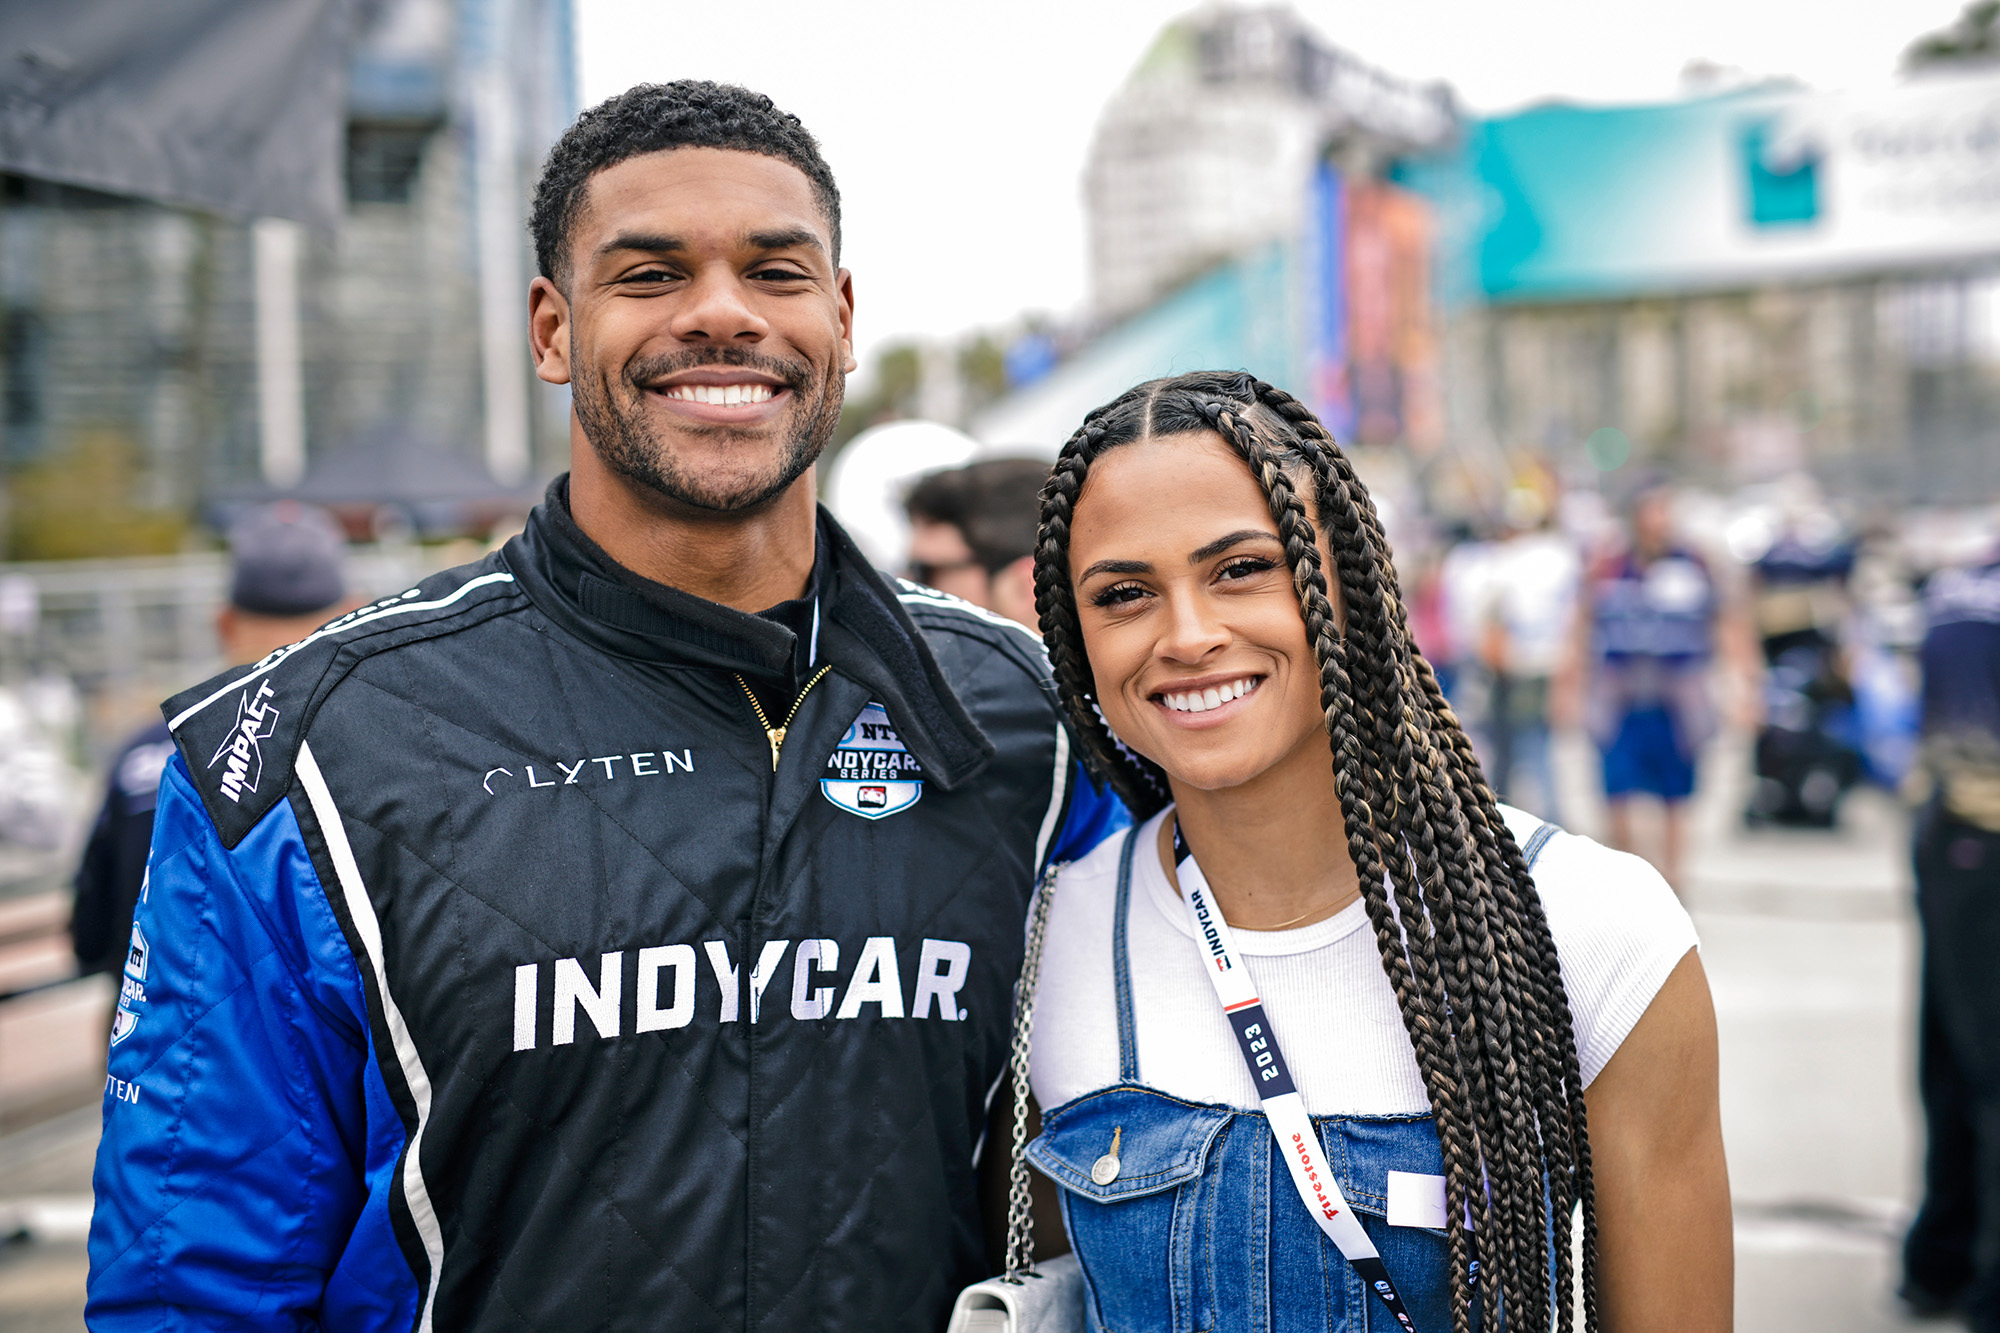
column 776, row 694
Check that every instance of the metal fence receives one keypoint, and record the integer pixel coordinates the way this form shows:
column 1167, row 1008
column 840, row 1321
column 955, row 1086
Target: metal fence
column 122, row 635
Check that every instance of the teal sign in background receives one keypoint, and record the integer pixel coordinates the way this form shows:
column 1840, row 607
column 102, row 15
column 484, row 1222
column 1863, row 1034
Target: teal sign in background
column 1565, row 201
column 1781, row 193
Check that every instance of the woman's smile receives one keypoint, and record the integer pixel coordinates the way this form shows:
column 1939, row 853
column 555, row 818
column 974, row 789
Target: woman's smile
column 1205, row 701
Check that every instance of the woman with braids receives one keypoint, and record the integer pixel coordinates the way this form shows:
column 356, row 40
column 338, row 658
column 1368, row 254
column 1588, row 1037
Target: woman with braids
column 1334, row 1040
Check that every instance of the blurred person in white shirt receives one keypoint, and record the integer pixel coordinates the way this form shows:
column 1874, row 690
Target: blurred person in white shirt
column 1464, row 587
column 1530, row 590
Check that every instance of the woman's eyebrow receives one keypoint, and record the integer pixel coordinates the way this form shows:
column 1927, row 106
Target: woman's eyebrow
column 1221, row 544
column 1114, row 567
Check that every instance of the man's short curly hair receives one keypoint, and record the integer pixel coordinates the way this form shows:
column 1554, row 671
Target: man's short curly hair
column 655, row 117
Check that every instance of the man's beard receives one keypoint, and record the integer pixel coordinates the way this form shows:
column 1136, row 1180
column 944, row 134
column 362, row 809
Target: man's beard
column 628, row 442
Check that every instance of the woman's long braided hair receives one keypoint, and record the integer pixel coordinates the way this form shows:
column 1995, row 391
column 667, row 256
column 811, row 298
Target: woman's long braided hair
column 1461, row 930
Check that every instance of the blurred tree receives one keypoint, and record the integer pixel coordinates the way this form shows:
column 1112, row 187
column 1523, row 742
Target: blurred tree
column 1973, row 38
column 982, row 369
column 77, row 502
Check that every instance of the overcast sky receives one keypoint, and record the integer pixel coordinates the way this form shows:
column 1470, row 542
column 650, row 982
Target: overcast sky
column 958, row 128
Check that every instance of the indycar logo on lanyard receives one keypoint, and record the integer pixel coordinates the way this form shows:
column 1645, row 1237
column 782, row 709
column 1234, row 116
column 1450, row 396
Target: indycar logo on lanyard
column 870, row 773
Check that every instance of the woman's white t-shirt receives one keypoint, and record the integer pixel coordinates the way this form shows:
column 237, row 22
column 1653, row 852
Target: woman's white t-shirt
column 1618, row 931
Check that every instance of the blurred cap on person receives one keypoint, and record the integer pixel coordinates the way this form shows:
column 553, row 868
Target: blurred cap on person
column 288, row 574
column 287, row 559
column 1645, row 486
column 972, row 533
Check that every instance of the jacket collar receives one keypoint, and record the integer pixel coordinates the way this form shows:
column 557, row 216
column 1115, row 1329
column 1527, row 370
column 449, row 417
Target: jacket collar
column 866, row 634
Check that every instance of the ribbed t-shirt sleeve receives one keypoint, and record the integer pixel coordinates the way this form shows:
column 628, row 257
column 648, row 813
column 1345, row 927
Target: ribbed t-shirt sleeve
column 1619, row 931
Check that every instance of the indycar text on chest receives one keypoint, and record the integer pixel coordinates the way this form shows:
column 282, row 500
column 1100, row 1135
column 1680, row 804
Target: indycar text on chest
column 665, row 984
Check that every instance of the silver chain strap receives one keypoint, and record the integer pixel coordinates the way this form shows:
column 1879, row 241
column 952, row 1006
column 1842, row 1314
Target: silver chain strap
column 1020, row 1211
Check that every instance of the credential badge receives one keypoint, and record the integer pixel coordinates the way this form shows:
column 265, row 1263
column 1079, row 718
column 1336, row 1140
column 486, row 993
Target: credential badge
column 870, row 773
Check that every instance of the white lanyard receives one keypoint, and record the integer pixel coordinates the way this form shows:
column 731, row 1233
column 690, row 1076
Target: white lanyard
column 1298, row 1141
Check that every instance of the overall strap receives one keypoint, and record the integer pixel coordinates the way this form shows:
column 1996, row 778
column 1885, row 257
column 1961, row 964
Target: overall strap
column 1121, row 966
column 1532, row 848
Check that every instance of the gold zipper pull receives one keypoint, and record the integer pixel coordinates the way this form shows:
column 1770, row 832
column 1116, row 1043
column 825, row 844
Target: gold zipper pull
column 776, row 735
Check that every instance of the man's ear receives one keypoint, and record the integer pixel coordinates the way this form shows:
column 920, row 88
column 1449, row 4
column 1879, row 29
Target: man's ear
column 843, row 283
column 548, row 331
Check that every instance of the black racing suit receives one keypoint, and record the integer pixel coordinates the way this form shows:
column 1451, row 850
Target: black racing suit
column 500, row 965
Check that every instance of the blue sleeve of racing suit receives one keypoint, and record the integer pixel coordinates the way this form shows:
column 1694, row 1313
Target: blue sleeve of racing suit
column 1094, row 814
column 231, row 1174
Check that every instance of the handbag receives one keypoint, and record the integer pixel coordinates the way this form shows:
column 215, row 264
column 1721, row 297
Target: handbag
column 1027, row 1298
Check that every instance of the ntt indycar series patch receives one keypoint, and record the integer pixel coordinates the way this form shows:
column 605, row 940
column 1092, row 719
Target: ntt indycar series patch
column 869, row 772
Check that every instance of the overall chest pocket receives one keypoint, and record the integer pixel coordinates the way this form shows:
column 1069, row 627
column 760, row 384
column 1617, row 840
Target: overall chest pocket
column 1141, row 1233
column 1200, row 1229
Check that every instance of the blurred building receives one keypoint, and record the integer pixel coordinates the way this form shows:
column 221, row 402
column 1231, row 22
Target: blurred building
column 154, row 359
column 1734, row 286
column 1209, row 147
column 1739, row 286
column 1242, row 215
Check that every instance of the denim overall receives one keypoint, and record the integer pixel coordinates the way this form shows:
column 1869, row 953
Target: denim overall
column 1202, row 1230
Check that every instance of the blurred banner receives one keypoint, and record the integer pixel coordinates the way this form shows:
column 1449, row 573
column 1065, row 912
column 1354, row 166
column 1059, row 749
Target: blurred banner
column 1323, row 254
column 1370, row 345
column 232, row 106
column 1747, row 186
column 1389, row 312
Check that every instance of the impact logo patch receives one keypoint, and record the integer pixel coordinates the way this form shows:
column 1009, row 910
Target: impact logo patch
column 242, row 747
column 870, row 773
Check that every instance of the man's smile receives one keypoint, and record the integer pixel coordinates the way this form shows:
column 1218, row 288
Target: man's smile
column 731, row 395
column 722, row 395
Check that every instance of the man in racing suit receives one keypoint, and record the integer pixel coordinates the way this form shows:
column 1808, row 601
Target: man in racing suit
column 618, row 932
